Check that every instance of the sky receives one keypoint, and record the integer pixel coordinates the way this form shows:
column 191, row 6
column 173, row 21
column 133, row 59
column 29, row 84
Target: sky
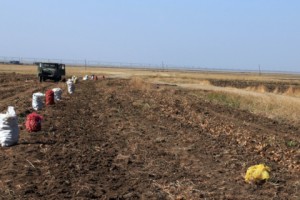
column 222, row 34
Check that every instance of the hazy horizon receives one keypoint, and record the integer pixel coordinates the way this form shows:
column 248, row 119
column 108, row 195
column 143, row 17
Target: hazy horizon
column 212, row 34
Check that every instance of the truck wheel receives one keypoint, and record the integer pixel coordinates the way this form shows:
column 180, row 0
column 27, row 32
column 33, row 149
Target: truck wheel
column 41, row 79
column 56, row 79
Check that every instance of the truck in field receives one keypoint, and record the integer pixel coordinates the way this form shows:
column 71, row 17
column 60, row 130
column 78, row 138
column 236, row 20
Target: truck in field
column 51, row 71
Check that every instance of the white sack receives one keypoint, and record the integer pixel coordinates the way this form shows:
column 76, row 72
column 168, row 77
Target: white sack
column 9, row 130
column 57, row 94
column 38, row 101
column 74, row 79
column 86, row 77
column 71, row 86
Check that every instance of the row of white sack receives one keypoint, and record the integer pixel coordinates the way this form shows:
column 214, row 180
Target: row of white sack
column 9, row 129
column 38, row 97
column 87, row 77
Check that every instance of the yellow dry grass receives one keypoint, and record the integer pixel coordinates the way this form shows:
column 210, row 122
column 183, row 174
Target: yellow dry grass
column 292, row 91
column 138, row 83
column 21, row 69
column 278, row 107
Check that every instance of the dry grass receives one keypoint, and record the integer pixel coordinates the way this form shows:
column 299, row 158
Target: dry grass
column 21, row 69
column 196, row 77
column 138, row 83
column 291, row 91
column 277, row 107
column 260, row 89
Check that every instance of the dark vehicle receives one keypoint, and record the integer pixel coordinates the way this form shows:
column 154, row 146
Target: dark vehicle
column 15, row 62
column 52, row 71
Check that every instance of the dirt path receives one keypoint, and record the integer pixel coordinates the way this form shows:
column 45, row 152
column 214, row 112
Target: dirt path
column 113, row 140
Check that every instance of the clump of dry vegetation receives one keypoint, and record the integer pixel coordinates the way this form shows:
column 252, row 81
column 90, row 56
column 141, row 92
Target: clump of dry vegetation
column 277, row 107
column 140, row 84
column 292, row 91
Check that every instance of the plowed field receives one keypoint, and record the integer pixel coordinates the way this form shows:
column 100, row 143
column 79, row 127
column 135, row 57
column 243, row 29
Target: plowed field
column 118, row 139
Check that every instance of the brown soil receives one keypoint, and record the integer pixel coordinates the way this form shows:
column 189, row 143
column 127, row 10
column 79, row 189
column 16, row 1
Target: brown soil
column 112, row 139
column 279, row 86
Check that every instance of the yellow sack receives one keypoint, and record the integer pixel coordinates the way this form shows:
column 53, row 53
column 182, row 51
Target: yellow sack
column 257, row 173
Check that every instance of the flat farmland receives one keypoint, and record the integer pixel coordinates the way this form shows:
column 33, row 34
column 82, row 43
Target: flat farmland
column 152, row 135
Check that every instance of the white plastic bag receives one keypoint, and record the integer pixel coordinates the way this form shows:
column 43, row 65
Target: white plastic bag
column 57, row 94
column 71, row 86
column 86, row 77
column 38, row 101
column 9, row 130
